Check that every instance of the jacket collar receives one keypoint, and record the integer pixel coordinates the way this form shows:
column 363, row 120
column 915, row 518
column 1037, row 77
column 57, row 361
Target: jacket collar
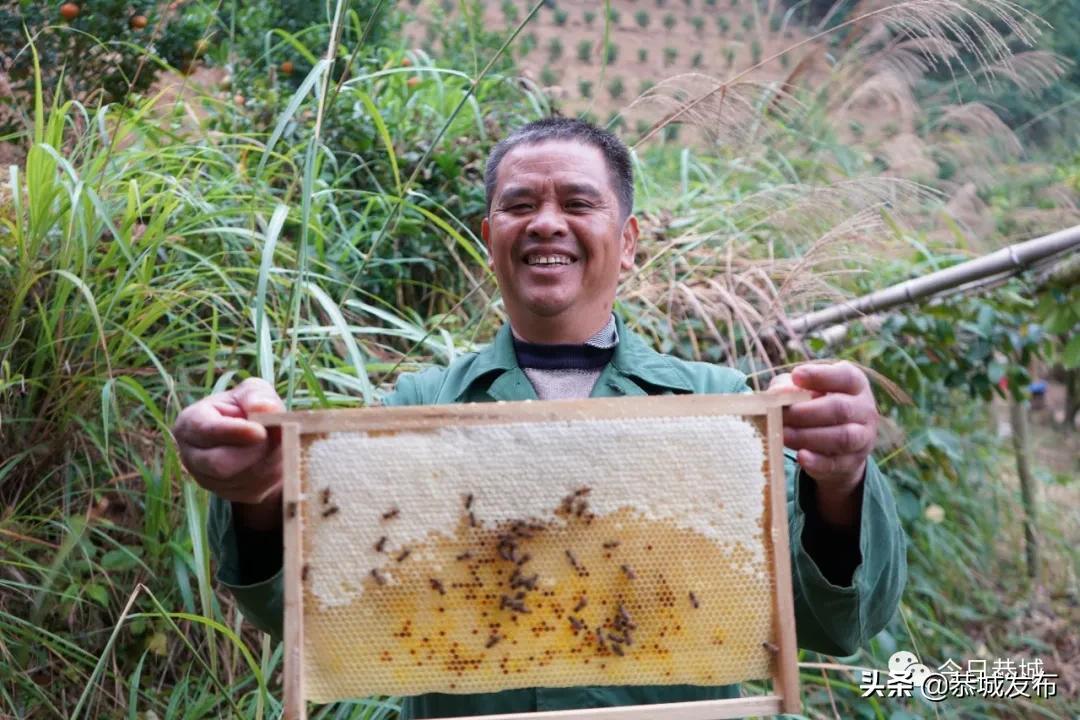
column 633, row 359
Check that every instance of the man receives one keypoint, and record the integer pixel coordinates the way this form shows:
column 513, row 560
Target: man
column 559, row 233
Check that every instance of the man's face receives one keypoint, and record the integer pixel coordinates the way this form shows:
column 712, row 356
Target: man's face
column 557, row 239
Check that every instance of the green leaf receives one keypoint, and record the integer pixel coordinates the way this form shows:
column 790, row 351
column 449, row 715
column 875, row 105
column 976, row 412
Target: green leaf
column 995, row 371
column 121, row 559
column 98, row 594
column 1071, row 356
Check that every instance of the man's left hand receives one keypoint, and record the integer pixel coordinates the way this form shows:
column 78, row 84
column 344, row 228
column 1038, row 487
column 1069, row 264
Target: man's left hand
column 834, row 432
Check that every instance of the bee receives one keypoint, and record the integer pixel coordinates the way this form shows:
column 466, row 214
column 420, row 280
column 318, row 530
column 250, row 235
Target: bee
column 290, row 509
column 381, row 545
column 472, row 519
column 437, row 586
column 523, row 559
column 573, row 560
column 325, row 495
column 629, row 572
column 617, row 649
column 600, row 639
column 468, row 501
column 391, row 514
column 332, row 510
column 464, row 556
column 378, row 576
column 403, row 554
column 581, row 604
column 582, row 491
column 770, row 647
column 491, row 641
column 694, row 600
column 611, row 544
column 304, row 572
column 576, row 624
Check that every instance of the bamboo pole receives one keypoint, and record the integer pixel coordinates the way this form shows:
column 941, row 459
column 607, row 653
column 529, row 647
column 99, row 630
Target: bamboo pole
column 1008, row 260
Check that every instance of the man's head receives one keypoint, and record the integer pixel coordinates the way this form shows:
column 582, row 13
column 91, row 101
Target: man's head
column 559, row 228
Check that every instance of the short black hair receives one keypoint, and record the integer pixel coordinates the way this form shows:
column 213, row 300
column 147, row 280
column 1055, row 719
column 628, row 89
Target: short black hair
column 614, row 151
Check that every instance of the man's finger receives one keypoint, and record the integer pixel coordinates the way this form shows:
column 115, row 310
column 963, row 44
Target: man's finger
column 832, row 441
column 842, row 377
column 835, row 409
column 223, row 465
column 824, row 467
column 256, row 395
column 781, row 383
column 203, row 426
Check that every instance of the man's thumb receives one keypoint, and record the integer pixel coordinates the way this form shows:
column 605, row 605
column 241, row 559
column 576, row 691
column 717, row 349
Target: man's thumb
column 255, row 395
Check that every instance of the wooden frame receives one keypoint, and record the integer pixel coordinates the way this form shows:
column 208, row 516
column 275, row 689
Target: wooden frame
column 785, row 696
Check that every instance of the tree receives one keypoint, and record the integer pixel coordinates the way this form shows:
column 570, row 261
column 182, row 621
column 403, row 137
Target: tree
column 585, row 88
column 616, row 88
column 699, row 23
column 642, row 19
column 669, row 22
column 670, row 54
column 589, row 17
column 561, row 17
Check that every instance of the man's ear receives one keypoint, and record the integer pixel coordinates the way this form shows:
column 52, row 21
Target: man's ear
column 485, row 235
column 629, row 240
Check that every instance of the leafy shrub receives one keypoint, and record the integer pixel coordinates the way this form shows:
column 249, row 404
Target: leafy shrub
column 616, row 88
column 642, row 19
column 669, row 21
column 696, row 60
column 755, row 51
column 670, row 54
column 584, row 50
column 729, row 56
column 699, row 24
column 561, row 17
column 611, row 53
column 510, row 12
column 722, row 24
column 555, row 49
column 614, row 16
column 585, row 88
column 747, row 22
column 548, row 76
column 644, row 86
column 590, row 16
column 642, row 55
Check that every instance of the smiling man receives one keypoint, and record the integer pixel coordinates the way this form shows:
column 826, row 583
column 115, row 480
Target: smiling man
column 560, row 231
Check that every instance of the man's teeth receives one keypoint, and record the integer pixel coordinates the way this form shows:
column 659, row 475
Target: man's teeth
column 548, row 260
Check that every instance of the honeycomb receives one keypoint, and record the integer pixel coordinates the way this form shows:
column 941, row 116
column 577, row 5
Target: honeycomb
column 481, row 558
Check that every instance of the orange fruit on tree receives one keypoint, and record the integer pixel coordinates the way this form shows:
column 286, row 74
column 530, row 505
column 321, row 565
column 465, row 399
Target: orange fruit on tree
column 406, row 62
column 286, row 67
column 413, row 81
column 138, row 22
column 69, row 11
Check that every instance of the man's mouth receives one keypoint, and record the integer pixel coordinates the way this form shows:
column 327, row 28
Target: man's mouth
column 548, row 260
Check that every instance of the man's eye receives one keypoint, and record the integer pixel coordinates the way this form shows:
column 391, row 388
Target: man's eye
column 578, row 205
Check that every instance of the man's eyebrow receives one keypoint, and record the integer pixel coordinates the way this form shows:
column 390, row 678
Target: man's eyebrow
column 577, row 188
column 515, row 192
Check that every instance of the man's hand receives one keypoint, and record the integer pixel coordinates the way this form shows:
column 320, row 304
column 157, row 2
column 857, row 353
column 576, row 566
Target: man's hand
column 232, row 457
column 834, row 433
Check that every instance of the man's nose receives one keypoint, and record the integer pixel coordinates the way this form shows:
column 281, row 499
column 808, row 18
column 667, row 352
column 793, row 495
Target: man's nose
column 548, row 222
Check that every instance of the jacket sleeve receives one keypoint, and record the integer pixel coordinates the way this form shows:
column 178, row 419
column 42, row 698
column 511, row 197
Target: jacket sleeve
column 261, row 602
column 839, row 619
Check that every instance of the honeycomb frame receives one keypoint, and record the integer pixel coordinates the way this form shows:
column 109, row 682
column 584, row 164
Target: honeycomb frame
column 307, row 503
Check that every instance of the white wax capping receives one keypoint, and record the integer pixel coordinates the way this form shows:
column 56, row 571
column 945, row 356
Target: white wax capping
column 702, row 474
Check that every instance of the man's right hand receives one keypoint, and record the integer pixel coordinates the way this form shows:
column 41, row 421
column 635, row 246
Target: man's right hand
column 232, row 457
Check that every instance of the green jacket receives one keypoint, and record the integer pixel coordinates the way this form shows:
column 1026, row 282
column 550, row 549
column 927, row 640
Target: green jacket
column 832, row 619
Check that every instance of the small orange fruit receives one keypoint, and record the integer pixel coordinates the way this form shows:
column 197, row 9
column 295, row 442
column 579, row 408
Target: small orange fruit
column 239, row 99
column 138, row 22
column 286, row 67
column 202, row 46
column 406, row 62
column 69, row 11
column 413, row 81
